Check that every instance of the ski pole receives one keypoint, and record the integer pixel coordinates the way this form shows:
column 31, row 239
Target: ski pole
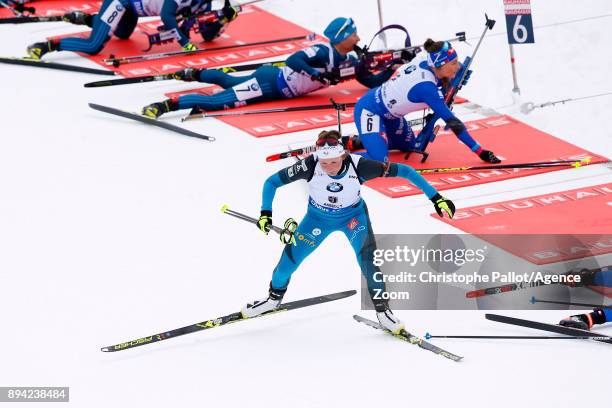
column 112, row 60
column 428, row 134
column 527, row 284
column 286, row 232
column 556, row 163
column 262, row 111
column 534, row 300
column 431, row 336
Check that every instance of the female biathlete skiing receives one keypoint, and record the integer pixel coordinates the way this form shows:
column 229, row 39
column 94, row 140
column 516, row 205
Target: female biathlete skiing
column 334, row 180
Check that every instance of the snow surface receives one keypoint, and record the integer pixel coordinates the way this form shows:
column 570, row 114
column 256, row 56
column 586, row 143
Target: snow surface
column 110, row 230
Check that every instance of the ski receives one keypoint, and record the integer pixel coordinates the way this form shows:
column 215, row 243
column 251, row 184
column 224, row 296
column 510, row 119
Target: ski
column 166, row 77
column 149, row 121
column 125, row 81
column 223, row 320
column 54, row 65
column 138, row 58
column 410, row 338
column 555, row 328
column 583, row 273
column 30, row 19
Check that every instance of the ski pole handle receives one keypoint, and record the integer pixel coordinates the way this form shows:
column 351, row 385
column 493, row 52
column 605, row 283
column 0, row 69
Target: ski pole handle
column 286, row 233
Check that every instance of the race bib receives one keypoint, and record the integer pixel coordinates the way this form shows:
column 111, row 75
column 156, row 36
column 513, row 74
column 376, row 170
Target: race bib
column 370, row 122
column 112, row 15
column 247, row 90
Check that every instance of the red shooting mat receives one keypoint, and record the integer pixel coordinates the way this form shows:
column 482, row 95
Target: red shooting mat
column 252, row 25
column 515, row 141
column 584, row 212
column 56, row 7
column 269, row 124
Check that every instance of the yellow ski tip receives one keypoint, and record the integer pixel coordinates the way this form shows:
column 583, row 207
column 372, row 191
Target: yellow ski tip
column 224, row 208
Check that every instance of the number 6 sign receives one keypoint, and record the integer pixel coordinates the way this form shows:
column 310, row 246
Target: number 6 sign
column 518, row 21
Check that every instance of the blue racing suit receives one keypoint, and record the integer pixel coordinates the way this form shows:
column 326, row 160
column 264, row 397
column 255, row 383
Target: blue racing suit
column 119, row 17
column 298, row 77
column 335, row 204
column 379, row 114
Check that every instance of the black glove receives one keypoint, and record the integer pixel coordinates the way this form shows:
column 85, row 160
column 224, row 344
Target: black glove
column 21, row 8
column 229, row 13
column 443, row 204
column 265, row 221
column 489, row 157
column 79, row 18
column 407, row 55
column 187, row 74
column 326, row 78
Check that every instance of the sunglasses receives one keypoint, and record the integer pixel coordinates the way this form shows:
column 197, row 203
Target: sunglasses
column 329, row 141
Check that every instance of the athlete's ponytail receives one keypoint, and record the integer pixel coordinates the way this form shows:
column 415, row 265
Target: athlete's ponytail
column 433, row 46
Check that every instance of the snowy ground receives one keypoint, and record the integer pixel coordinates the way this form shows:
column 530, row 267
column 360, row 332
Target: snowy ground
column 111, row 230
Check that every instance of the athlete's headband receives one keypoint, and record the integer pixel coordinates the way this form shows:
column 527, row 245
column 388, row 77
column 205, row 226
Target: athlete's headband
column 438, row 58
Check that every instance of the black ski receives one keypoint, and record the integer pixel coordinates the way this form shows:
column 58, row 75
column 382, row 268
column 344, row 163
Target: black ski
column 223, row 320
column 410, row 338
column 30, row 19
column 165, row 77
column 125, row 81
column 54, row 65
column 149, row 121
column 555, row 328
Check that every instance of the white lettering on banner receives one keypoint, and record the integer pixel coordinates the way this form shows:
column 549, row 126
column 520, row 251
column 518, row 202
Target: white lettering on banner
column 459, row 179
column 578, row 156
column 196, row 62
column 581, row 194
column 264, row 129
column 545, row 254
column 519, row 205
column 501, row 121
column 399, row 189
column 492, row 173
column 226, row 57
column 52, row 12
column 603, row 244
column 170, row 67
column 461, row 215
column 535, row 202
column 605, row 190
column 324, row 119
column 489, row 210
column 254, row 53
column 550, row 200
column 282, row 48
column 140, row 71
